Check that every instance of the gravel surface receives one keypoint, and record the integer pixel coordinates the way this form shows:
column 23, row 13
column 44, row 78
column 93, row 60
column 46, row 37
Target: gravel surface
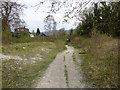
column 55, row 75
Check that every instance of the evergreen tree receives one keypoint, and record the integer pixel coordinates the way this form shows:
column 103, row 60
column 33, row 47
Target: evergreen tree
column 38, row 32
column 71, row 32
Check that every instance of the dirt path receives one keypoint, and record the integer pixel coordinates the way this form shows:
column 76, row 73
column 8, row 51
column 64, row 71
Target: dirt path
column 62, row 73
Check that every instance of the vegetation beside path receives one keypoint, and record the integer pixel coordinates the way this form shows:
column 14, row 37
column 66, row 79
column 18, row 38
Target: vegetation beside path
column 99, row 55
column 36, row 57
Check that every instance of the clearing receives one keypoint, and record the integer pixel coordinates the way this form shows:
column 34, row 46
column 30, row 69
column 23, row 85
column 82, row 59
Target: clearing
column 22, row 63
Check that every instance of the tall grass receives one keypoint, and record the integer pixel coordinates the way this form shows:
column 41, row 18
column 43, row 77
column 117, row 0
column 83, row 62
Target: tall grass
column 100, row 63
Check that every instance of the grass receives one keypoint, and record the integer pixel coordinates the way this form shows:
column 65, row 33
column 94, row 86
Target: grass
column 66, row 76
column 22, row 78
column 0, row 49
column 0, row 74
column 66, row 73
column 23, row 74
column 100, row 61
column 73, row 56
column 27, row 49
column 64, row 59
column 75, row 59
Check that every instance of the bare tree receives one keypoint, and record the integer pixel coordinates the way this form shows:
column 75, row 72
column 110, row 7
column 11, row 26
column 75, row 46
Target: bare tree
column 50, row 23
column 72, row 8
column 10, row 12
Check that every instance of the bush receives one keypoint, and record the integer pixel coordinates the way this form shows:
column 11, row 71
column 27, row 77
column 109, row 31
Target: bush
column 22, row 38
column 6, row 37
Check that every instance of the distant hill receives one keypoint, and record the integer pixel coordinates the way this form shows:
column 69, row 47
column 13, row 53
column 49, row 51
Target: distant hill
column 51, row 32
column 48, row 32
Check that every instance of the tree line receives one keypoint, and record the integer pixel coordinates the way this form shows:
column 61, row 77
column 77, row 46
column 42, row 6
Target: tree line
column 103, row 17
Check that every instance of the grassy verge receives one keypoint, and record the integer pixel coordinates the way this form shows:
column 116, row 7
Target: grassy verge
column 73, row 56
column 66, row 76
column 100, row 61
column 22, row 74
column 66, row 73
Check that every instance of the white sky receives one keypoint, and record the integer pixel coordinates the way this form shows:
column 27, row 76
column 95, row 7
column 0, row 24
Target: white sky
column 35, row 19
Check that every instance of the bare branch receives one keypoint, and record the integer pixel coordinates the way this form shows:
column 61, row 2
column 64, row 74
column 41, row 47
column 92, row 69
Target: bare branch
column 11, row 12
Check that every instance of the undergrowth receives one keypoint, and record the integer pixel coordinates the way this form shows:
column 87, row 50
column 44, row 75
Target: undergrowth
column 100, row 61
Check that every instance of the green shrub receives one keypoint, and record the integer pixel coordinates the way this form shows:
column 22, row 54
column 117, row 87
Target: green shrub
column 22, row 38
column 6, row 37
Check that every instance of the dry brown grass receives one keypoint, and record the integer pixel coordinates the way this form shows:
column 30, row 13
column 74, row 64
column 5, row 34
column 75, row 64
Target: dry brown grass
column 100, row 64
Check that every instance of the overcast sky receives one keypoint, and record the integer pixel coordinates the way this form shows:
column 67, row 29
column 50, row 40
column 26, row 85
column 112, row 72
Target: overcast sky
column 35, row 19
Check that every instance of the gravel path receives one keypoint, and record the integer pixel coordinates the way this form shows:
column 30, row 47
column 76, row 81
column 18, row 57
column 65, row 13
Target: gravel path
column 62, row 73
